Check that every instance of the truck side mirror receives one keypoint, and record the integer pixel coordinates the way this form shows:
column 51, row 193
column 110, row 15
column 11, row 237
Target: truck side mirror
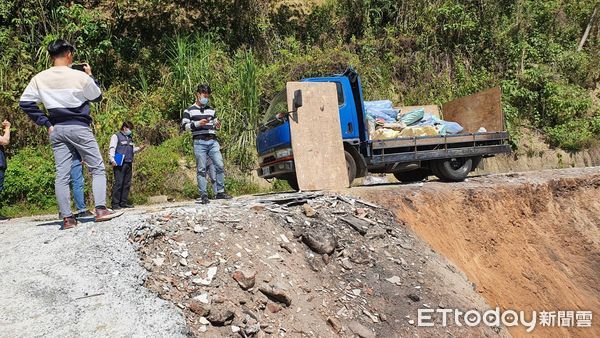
column 297, row 99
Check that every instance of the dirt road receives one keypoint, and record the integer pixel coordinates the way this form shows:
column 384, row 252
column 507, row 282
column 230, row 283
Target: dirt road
column 81, row 283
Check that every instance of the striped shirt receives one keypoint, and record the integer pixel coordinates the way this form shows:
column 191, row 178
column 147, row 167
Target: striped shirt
column 193, row 115
column 66, row 94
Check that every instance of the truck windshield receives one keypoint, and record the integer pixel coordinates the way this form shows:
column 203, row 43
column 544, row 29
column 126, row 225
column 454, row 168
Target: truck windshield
column 278, row 106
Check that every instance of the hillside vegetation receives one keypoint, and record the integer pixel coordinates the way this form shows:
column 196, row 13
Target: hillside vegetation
column 149, row 55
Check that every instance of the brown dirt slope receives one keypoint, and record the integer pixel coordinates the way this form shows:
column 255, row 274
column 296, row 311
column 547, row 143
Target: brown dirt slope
column 528, row 241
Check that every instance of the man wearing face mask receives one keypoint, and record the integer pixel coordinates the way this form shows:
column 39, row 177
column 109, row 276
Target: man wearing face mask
column 120, row 153
column 202, row 121
column 66, row 94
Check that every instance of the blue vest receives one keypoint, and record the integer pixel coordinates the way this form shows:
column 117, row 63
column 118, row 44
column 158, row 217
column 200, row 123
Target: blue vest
column 125, row 147
column 2, row 158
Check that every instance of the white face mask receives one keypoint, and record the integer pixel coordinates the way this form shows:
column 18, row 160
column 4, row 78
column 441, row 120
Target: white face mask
column 204, row 101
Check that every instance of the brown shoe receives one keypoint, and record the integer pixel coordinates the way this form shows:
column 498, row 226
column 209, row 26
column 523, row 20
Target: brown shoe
column 68, row 223
column 106, row 214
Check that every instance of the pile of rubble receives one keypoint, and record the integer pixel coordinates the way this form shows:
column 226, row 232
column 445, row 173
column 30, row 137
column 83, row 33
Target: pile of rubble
column 302, row 264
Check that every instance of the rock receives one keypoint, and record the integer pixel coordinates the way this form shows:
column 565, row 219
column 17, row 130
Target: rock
column 198, row 308
column 335, row 324
column 273, row 308
column 198, row 229
column 212, row 271
column 287, row 247
column 220, row 316
column 158, row 199
column 257, row 207
column 183, row 262
column 245, row 278
column 203, row 321
column 235, row 329
column 203, row 298
column 158, row 261
column 277, row 293
column 394, row 280
column 202, row 328
column 346, row 263
column 360, row 330
column 252, row 329
column 374, row 232
column 406, row 246
column 321, row 242
column 414, row 297
column 308, row 210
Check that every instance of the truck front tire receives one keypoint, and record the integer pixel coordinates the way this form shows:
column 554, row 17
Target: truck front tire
column 351, row 166
column 453, row 169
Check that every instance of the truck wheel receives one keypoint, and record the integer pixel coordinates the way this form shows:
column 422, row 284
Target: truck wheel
column 351, row 166
column 454, row 169
column 413, row 175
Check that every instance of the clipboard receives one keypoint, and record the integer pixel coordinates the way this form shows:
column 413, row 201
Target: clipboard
column 119, row 158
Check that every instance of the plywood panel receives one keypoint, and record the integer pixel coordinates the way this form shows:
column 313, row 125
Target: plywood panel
column 317, row 138
column 475, row 111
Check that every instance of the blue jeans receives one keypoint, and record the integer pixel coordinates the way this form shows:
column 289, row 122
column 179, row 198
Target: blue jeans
column 212, row 174
column 77, row 184
column 202, row 151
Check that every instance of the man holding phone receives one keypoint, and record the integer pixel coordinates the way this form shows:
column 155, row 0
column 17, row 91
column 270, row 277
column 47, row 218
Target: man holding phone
column 66, row 94
column 202, row 121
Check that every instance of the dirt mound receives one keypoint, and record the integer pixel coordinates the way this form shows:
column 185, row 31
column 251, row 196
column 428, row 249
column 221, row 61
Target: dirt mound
column 528, row 241
column 296, row 265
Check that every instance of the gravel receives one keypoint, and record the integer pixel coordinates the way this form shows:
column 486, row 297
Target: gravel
column 82, row 282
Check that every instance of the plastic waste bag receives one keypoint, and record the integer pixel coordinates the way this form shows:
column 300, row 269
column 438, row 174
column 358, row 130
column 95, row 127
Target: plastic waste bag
column 413, row 131
column 385, row 134
column 395, row 126
column 452, row 127
column 412, row 117
column 382, row 109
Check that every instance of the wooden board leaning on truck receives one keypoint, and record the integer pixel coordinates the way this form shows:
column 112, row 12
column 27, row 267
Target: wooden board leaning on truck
column 316, row 137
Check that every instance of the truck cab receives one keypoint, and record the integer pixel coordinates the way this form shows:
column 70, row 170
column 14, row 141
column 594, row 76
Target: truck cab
column 408, row 159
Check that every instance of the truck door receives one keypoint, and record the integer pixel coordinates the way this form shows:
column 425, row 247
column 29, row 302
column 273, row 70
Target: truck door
column 348, row 116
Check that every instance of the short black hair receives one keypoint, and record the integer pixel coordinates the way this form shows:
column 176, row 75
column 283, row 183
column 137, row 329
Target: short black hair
column 127, row 124
column 59, row 47
column 203, row 89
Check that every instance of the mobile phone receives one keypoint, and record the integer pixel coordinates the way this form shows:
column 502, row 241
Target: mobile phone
column 79, row 66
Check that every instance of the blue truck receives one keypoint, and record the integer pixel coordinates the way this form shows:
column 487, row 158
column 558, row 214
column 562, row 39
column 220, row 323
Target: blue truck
column 448, row 157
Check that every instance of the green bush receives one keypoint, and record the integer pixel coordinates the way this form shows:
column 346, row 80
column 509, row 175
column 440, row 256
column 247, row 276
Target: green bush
column 30, row 178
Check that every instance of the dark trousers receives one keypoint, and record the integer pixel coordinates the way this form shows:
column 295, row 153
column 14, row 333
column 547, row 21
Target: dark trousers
column 2, row 178
column 122, row 184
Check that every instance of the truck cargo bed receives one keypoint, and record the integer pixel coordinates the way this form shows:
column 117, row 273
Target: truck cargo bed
column 438, row 147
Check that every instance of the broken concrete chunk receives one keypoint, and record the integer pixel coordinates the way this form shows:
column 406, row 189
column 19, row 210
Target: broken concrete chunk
column 212, row 271
column 335, row 324
column 360, row 330
column 245, row 278
column 308, row 210
column 277, row 293
column 198, row 307
column 357, row 224
column 220, row 316
column 394, row 280
column 321, row 242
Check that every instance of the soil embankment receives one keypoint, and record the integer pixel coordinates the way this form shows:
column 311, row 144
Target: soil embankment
column 529, row 241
